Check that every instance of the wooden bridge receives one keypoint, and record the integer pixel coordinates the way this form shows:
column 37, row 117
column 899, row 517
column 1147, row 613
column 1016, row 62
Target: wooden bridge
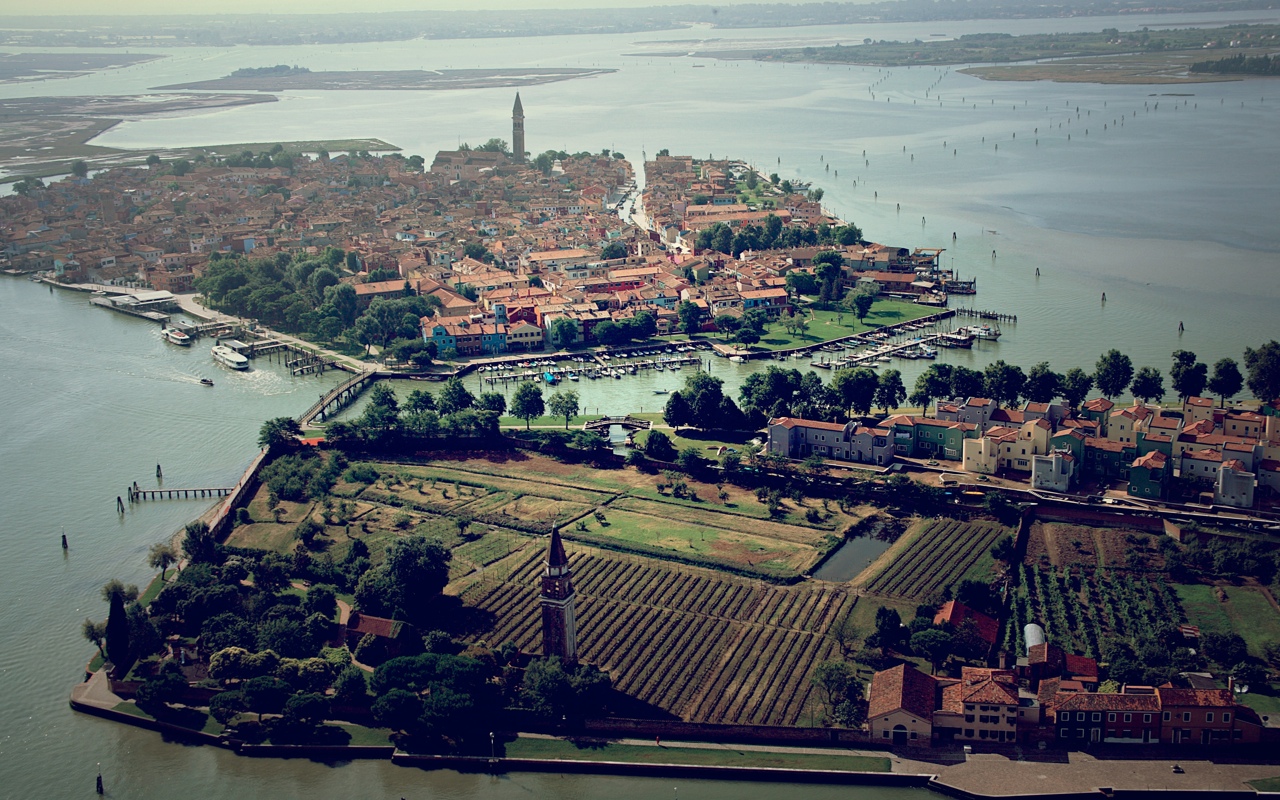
column 629, row 422
column 338, row 397
column 138, row 495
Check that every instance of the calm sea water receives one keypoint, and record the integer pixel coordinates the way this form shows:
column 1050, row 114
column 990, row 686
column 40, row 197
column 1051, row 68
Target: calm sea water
column 1171, row 214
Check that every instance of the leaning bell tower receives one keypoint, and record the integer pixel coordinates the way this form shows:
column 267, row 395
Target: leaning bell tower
column 559, row 627
column 517, row 130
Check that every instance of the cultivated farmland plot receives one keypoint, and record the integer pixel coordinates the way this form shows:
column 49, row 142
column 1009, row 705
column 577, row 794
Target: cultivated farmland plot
column 704, row 646
column 937, row 555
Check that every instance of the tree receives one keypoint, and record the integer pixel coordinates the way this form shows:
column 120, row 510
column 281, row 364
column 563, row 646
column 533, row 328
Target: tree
column 564, row 332
column 1226, row 381
column 225, row 706
column 856, row 389
column 1042, row 384
column 306, row 710
column 454, row 397
column 564, row 403
column 1076, row 384
column 800, row 282
column 747, row 336
column 690, row 317
column 1112, row 373
column 613, row 250
column 1263, row 366
column 888, row 629
column 279, row 432
column 115, row 588
column 497, row 146
column 79, row 168
column 117, row 634
column 94, row 632
column 556, row 690
column 526, row 403
column 265, row 694
column 1147, row 384
column 1003, row 383
column 166, row 686
column 862, row 302
column 690, row 459
column 161, row 556
column 1188, row 376
column 419, row 569
column 935, row 645
column 658, row 446
column 839, row 684
column 677, row 412
column 153, row 160
column 1005, row 549
column 889, row 390
column 934, row 382
column 492, row 401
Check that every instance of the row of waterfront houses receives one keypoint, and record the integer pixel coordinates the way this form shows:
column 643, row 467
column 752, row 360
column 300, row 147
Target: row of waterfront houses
column 1231, row 453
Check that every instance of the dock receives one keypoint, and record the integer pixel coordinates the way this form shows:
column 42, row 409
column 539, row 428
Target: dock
column 139, row 495
column 338, row 398
column 994, row 315
column 146, row 312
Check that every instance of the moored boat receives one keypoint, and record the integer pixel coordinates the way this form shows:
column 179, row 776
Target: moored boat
column 175, row 336
column 230, row 358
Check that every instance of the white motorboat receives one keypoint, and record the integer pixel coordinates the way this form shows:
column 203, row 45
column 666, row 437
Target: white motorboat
column 229, row 358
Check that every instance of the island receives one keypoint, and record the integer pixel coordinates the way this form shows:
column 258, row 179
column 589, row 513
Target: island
column 276, row 79
column 836, row 565
column 1108, row 56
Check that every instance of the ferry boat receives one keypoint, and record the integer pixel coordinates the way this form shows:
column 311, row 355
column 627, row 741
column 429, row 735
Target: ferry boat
column 230, row 358
column 981, row 331
column 175, row 336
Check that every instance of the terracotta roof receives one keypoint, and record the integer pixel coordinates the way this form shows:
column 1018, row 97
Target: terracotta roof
column 378, row 626
column 1153, row 460
column 1200, row 402
column 902, row 688
column 1099, row 404
column 1199, row 698
column 1088, row 701
column 980, row 685
column 796, row 422
column 955, row 614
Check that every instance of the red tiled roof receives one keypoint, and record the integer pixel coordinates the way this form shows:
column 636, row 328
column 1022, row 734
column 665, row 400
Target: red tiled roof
column 1197, row 698
column 1153, row 460
column 1088, row 701
column 980, row 685
column 1099, row 404
column 955, row 613
column 902, row 687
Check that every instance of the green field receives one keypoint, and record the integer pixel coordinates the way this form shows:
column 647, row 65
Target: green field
column 827, row 325
column 681, row 537
column 1246, row 612
column 716, row 756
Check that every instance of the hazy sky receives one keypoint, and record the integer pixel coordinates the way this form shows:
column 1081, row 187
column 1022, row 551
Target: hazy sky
column 168, row 7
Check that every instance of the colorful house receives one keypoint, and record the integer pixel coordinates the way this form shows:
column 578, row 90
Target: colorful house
column 1150, row 475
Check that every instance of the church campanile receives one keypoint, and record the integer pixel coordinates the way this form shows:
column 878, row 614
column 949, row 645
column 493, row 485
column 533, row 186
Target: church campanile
column 559, row 627
column 517, row 130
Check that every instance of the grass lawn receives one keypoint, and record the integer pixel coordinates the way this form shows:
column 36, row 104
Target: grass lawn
column 152, row 591
column 718, row 543
column 366, row 737
column 827, row 325
column 1246, row 612
column 1263, row 699
column 716, row 757
column 706, row 442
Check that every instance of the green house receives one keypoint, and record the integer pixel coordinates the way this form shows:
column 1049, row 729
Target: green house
column 1150, row 475
column 1105, row 460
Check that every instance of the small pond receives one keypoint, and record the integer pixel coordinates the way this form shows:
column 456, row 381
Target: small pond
column 854, row 556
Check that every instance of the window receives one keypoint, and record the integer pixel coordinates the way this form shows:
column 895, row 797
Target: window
column 1146, row 717
column 1066, row 716
column 968, row 732
column 1079, row 733
column 1186, row 716
column 1097, row 716
column 1226, row 716
column 1128, row 718
column 1208, row 717
column 914, row 734
column 884, row 734
column 1166, row 716
column 1111, row 716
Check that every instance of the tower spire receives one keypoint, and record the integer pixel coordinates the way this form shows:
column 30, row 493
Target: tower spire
column 559, row 622
column 517, row 130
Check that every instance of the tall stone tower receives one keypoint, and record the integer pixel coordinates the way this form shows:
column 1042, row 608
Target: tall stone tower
column 559, row 627
column 517, row 130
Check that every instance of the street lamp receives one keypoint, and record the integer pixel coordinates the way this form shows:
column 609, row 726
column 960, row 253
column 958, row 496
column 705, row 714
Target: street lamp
column 492, row 751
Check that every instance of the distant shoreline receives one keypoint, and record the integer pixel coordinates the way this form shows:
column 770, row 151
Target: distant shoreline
column 382, row 80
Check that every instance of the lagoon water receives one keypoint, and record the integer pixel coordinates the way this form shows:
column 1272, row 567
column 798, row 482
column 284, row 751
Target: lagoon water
column 1172, row 214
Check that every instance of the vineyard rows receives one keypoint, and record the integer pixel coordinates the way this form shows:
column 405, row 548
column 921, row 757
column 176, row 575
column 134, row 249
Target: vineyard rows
column 704, row 647
column 1079, row 608
column 936, row 558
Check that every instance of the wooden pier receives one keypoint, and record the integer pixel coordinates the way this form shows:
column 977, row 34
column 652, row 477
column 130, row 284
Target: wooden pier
column 977, row 314
column 138, row 495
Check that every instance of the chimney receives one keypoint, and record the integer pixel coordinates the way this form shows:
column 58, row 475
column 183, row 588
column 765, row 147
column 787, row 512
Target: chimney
column 1231, row 685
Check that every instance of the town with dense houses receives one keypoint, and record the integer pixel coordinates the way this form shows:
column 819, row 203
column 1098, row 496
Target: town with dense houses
column 1021, row 590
